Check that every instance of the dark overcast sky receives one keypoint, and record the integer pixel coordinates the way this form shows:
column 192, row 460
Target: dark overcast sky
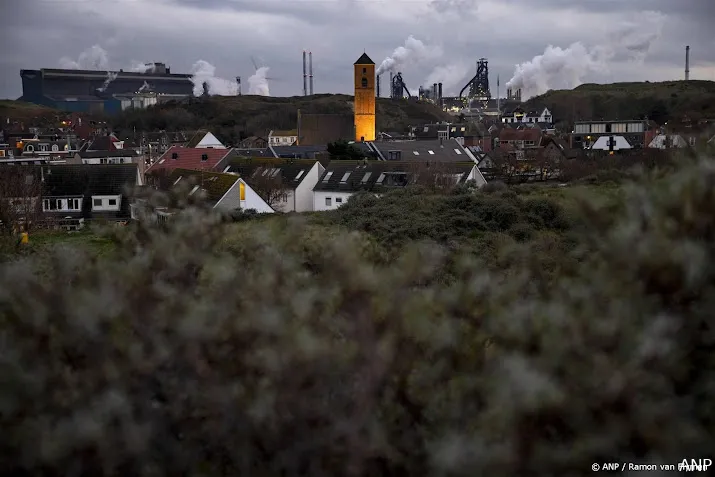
column 227, row 33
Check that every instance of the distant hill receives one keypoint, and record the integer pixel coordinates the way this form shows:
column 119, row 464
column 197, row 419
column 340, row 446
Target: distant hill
column 19, row 111
column 657, row 101
column 239, row 116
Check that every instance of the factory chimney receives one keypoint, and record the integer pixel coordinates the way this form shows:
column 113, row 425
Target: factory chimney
column 498, row 97
column 310, row 70
column 434, row 92
column 305, row 77
column 687, row 63
column 439, row 91
column 378, row 85
column 238, row 82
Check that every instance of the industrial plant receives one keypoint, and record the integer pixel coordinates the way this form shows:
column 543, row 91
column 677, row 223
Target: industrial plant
column 103, row 91
column 475, row 98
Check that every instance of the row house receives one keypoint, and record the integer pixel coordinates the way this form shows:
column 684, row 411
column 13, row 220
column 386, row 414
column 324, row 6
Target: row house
column 519, row 115
column 342, row 179
column 66, row 194
column 216, row 190
column 282, row 138
column 637, row 133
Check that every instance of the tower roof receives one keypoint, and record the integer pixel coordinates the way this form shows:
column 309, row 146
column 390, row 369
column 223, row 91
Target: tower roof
column 364, row 60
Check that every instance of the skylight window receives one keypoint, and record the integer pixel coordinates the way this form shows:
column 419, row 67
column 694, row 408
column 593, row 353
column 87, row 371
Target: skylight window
column 177, row 180
column 194, row 190
column 366, row 177
column 227, row 168
column 300, row 174
column 415, row 153
column 381, row 178
column 457, row 151
column 328, row 176
column 431, row 152
column 275, row 172
column 345, row 178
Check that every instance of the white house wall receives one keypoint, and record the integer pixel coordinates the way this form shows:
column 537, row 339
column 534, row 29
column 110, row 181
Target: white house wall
column 210, row 141
column 337, row 199
column 254, row 201
column 304, row 200
column 602, row 143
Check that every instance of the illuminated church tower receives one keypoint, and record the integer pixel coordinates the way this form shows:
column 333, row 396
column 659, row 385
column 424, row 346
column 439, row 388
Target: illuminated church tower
column 364, row 99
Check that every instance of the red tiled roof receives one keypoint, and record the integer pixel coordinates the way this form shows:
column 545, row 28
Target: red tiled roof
column 188, row 158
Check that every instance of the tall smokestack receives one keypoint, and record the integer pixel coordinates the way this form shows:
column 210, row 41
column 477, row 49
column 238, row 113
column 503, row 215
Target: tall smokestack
column 310, row 69
column 498, row 97
column 434, row 92
column 305, row 77
column 439, row 90
column 687, row 63
column 378, row 85
column 238, row 82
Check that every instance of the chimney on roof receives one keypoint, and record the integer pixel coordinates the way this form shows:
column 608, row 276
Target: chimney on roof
column 310, row 70
column 305, row 76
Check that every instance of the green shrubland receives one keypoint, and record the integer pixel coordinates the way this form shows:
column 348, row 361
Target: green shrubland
column 508, row 331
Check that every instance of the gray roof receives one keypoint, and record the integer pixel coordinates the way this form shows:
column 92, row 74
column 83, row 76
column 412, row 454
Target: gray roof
column 291, row 171
column 251, row 152
column 300, row 152
column 436, row 151
column 354, row 176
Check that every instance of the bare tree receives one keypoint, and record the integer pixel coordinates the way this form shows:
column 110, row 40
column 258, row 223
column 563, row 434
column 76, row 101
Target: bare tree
column 269, row 185
column 20, row 197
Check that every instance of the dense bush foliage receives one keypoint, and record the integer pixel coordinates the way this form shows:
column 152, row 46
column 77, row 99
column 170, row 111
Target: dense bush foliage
column 494, row 333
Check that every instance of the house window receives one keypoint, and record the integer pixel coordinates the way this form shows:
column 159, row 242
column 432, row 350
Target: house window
column 364, row 82
column 338, row 200
column 204, row 157
column 691, row 140
column 242, row 190
column 174, row 155
column 364, row 71
column 113, row 202
column 328, row 202
column 97, row 202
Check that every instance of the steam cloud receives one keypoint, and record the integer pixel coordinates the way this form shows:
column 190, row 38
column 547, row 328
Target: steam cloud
column 258, row 82
column 412, row 52
column 203, row 72
column 559, row 68
column 93, row 58
column 110, row 77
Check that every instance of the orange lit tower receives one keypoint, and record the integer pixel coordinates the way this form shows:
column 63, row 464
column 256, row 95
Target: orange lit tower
column 364, row 99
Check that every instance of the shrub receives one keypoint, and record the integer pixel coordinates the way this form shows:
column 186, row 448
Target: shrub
column 280, row 348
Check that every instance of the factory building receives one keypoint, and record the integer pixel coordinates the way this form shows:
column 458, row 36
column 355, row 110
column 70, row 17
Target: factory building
column 103, row 91
column 364, row 69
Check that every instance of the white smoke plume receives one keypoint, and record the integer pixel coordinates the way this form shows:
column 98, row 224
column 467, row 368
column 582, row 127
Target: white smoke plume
column 258, row 82
column 451, row 76
column 110, row 77
column 93, row 58
column 139, row 67
column 413, row 51
column 559, row 68
column 203, row 72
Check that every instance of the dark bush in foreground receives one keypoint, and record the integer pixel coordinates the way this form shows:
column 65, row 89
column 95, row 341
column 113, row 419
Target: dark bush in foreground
column 287, row 351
